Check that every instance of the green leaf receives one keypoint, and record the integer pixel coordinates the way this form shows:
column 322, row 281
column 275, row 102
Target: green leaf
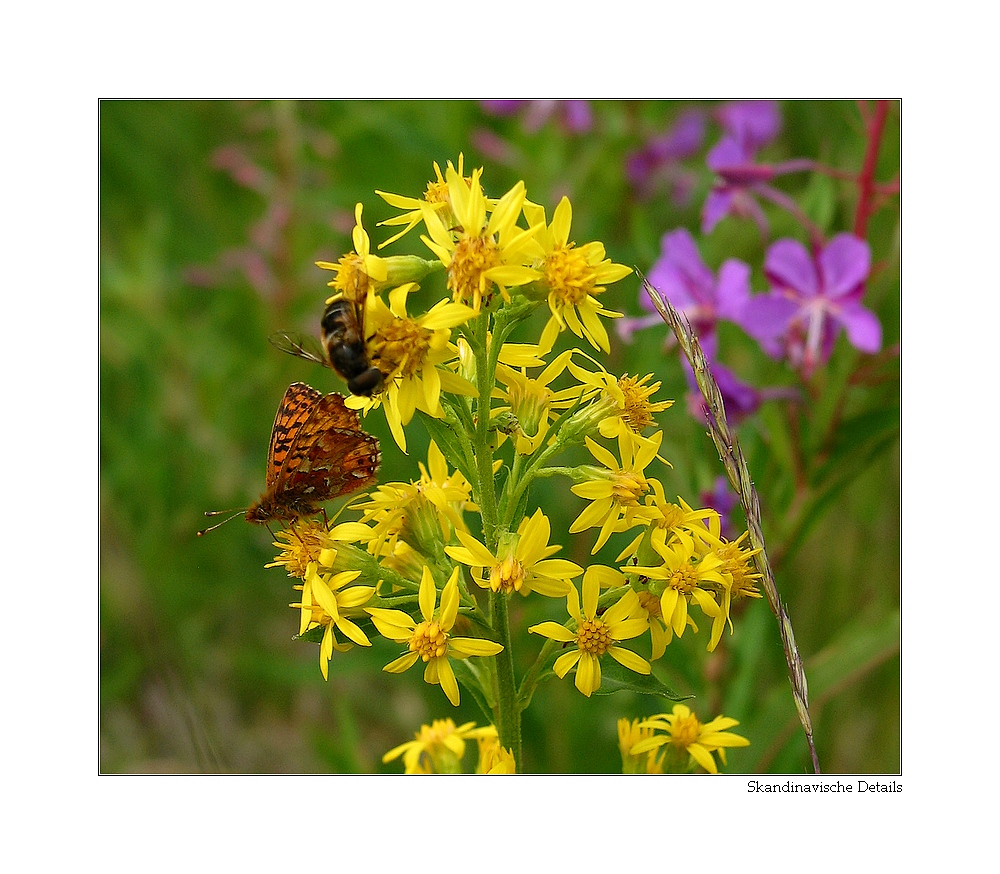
column 469, row 679
column 819, row 201
column 618, row 678
column 839, row 476
column 442, row 434
column 313, row 635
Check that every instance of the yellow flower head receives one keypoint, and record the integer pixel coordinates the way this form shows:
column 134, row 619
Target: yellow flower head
column 358, row 272
column 439, row 747
column 300, row 544
column 521, row 563
column 410, row 351
column 426, row 510
column 573, row 276
column 629, row 734
column 437, row 198
column 328, row 601
column 666, row 518
column 480, row 253
column 532, row 402
column 686, row 735
column 430, row 640
column 686, row 574
column 617, row 404
column 616, row 490
column 737, row 566
column 595, row 635
column 493, row 758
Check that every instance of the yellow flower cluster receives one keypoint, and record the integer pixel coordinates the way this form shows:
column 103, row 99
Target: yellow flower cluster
column 430, row 564
column 675, row 742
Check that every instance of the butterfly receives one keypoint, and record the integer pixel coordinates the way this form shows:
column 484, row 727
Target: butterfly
column 318, row 452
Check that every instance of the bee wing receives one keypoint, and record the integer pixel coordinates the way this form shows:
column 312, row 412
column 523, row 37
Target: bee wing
column 299, row 345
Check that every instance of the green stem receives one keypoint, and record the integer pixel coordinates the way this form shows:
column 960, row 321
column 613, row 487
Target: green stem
column 508, row 713
column 487, row 497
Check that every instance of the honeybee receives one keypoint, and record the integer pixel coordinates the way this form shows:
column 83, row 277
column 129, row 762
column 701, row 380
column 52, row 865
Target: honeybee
column 343, row 347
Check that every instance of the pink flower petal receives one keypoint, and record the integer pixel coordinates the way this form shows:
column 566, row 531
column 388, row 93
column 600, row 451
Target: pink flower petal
column 788, row 266
column 844, row 264
column 863, row 328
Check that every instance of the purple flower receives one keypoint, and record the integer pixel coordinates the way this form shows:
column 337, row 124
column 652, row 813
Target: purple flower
column 576, row 116
column 658, row 158
column 694, row 290
column 732, row 159
column 754, row 123
column 681, row 276
column 812, row 297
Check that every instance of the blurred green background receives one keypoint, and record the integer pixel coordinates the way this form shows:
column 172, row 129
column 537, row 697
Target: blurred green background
column 212, row 214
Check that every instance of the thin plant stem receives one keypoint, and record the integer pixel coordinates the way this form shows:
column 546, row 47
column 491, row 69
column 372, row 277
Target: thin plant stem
column 866, row 179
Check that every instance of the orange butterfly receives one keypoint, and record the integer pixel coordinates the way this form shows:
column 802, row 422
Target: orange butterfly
column 318, row 452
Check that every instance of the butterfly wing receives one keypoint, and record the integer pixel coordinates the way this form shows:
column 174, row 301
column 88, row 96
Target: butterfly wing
column 330, row 456
column 293, row 413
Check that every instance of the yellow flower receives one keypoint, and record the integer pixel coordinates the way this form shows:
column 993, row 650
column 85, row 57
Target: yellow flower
column 737, row 565
column 436, row 198
column 633, row 409
column 429, row 508
column 493, row 758
column 479, row 254
column 439, row 747
column 615, row 491
column 686, row 734
column 595, row 635
column 685, row 576
column 660, row 631
column 359, row 271
column 430, row 640
column 300, row 544
column 574, row 276
column 521, row 563
column 736, row 568
column 409, row 351
column 532, row 402
column 617, row 404
column 629, row 734
column 667, row 518
column 328, row 601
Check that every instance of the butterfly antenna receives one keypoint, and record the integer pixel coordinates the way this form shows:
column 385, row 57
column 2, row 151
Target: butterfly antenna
column 223, row 522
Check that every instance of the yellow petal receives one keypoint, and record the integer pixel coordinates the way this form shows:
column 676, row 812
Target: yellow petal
column 629, row 659
column 565, row 662
column 588, row 674
column 474, row 646
column 403, row 663
column 553, row 630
